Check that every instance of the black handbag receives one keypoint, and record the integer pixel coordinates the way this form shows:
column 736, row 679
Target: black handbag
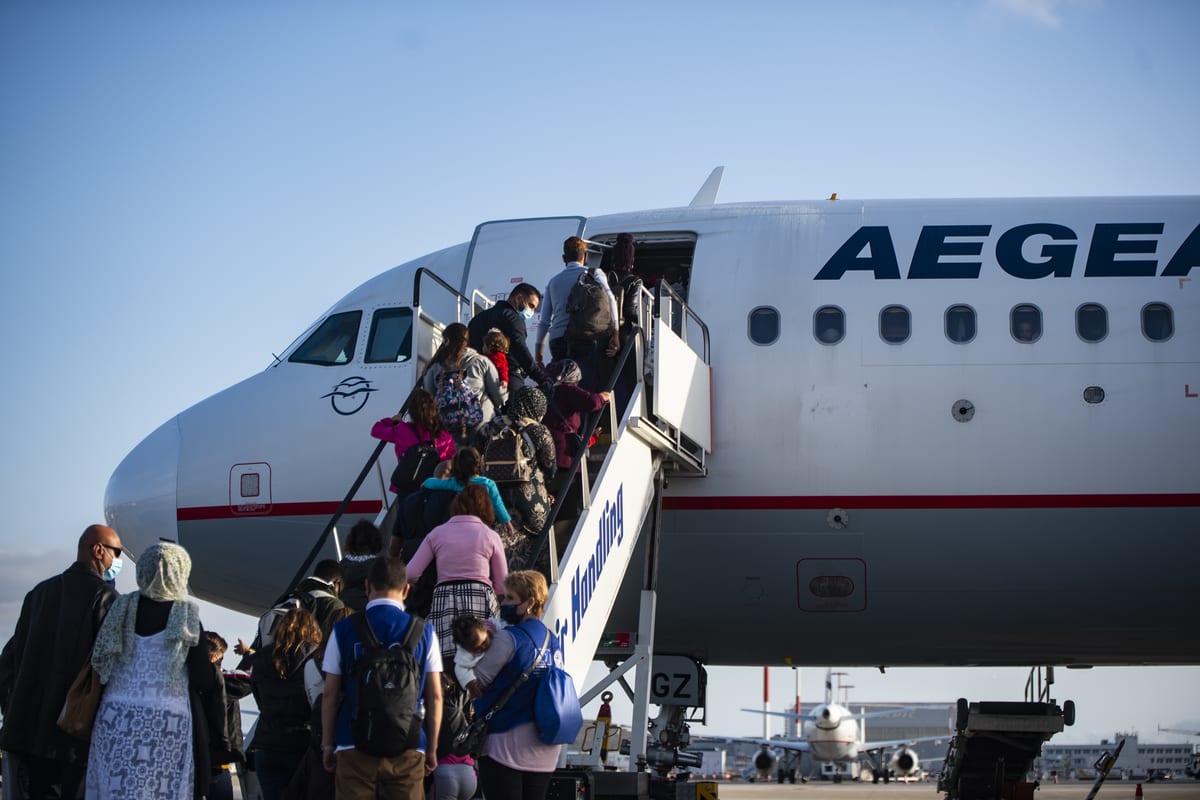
column 416, row 464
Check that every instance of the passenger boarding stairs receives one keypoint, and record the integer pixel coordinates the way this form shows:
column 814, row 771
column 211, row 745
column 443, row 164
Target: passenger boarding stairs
column 665, row 427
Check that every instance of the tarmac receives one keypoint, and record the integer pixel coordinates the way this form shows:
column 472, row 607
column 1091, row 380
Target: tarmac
column 1074, row 790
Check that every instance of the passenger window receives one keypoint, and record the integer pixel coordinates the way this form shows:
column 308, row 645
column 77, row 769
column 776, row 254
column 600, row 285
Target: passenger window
column 895, row 324
column 829, row 325
column 1091, row 322
column 764, row 325
column 1025, row 323
column 332, row 343
column 1158, row 323
column 391, row 336
column 960, row 324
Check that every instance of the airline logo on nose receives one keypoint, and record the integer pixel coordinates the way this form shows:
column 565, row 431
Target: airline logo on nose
column 349, row 396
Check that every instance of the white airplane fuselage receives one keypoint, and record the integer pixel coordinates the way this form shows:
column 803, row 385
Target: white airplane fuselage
column 1032, row 502
column 832, row 734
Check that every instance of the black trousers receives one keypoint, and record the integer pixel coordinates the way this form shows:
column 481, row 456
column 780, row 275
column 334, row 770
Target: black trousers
column 51, row 780
column 505, row 783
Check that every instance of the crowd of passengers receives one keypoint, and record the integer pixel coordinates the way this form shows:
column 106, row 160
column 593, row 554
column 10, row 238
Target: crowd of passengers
column 168, row 724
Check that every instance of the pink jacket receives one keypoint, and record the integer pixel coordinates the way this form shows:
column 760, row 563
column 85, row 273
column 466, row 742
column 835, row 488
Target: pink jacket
column 406, row 434
column 465, row 549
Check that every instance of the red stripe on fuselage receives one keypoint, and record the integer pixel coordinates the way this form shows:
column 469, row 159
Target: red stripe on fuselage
column 277, row 510
column 774, row 503
column 957, row 501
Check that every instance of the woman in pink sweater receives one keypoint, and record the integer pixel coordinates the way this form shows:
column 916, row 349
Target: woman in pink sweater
column 470, row 564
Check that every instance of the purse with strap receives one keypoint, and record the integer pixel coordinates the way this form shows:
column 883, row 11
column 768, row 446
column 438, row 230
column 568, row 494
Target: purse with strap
column 78, row 713
column 416, row 464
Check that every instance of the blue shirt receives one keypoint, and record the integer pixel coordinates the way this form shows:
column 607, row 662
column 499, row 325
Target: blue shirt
column 389, row 621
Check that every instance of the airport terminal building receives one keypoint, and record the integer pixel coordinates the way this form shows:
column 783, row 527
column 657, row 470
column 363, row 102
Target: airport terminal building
column 1137, row 760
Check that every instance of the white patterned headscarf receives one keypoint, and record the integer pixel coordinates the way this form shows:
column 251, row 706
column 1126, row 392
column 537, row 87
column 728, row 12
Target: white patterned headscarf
column 162, row 574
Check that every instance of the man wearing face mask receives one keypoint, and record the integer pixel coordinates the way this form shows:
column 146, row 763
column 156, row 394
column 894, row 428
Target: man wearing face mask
column 510, row 317
column 53, row 639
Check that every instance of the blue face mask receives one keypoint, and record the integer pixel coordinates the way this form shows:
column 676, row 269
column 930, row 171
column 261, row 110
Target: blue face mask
column 509, row 614
column 110, row 574
column 526, row 312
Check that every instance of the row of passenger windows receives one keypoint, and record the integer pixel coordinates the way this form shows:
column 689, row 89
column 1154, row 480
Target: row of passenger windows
column 1024, row 323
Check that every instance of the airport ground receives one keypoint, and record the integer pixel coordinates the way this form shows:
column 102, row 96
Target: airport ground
column 1075, row 790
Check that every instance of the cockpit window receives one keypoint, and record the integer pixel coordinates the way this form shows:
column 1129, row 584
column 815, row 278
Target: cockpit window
column 332, row 343
column 391, row 336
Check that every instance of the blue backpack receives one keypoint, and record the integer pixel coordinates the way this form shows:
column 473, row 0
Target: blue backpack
column 556, row 711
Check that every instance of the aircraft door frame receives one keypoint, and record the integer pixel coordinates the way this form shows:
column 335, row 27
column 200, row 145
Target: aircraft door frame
column 506, row 252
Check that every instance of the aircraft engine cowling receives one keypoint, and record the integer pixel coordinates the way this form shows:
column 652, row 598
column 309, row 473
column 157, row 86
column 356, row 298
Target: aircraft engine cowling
column 764, row 761
column 905, row 762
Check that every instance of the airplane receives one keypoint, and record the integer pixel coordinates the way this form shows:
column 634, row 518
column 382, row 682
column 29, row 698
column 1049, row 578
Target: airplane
column 976, row 411
column 832, row 735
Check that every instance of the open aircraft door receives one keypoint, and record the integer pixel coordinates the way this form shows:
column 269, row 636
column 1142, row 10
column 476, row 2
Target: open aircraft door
column 506, row 252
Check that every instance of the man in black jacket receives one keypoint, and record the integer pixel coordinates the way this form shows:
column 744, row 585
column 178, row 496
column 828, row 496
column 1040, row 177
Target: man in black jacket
column 53, row 639
column 509, row 317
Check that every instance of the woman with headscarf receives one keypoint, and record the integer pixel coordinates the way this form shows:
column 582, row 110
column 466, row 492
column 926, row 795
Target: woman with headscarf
column 528, row 503
column 144, row 744
column 567, row 403
column 627, row 288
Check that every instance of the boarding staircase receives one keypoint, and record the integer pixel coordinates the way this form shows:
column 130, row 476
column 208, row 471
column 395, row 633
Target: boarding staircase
column 665, row 428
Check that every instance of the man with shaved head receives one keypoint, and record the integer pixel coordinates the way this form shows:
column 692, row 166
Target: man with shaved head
column 53, row 639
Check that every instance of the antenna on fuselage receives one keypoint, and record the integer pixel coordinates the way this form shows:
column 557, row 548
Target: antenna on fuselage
column 707, row 195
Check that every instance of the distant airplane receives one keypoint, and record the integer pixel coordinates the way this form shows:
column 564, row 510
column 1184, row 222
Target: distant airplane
column 831, row 734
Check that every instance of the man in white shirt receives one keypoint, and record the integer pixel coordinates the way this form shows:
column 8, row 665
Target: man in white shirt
column 359, row 775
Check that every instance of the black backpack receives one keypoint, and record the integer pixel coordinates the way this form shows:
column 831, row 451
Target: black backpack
column 387, row 680
column 274, row 615
column 589, row 315
column 416, row 464
column 456, row 705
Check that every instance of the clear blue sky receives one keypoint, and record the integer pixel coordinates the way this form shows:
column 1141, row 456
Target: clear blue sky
column 185, row 186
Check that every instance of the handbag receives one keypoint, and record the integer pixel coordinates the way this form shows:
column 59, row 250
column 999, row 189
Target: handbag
column 416, row 464
column 469, row 741
column 78, row 713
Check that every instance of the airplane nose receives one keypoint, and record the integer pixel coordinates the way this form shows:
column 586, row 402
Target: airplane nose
column 141, row 499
